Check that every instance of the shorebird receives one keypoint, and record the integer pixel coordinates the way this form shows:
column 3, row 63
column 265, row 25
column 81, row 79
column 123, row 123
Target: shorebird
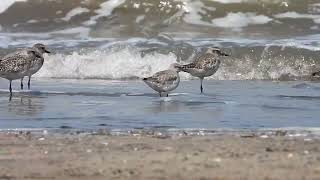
column 164, row 81
column 16, row 65
column 37, row 63
column 205, row 65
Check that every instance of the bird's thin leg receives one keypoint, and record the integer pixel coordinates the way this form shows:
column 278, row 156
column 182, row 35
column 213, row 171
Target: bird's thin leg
column 160, row 94
column 21, row 85
column 29, row 82
column 168, row 95
column 10, row 88
column 201, row 88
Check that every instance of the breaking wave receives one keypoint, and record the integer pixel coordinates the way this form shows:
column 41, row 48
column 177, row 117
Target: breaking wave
column 131, row 62
column 124, row 39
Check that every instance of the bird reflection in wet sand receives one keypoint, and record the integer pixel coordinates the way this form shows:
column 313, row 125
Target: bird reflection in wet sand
column 167, row 106
column 26, row 105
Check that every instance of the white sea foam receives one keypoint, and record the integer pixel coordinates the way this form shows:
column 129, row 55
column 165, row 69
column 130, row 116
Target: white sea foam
column 239, row 20
column 74, row 12
column 106, row 9
column 251, row 1
column 193, row 10
column 295, row 15
column 5, row 4
column 119, row 64
column 228, row 1
column 128, row 63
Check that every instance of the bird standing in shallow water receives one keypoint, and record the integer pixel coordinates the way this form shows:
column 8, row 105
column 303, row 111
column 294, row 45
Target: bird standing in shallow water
column 205, row 65
column 36, row 64
column 164, row 81
column 16, row 65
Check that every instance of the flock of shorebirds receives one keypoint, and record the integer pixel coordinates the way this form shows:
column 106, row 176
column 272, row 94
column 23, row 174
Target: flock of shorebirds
column 28, row 61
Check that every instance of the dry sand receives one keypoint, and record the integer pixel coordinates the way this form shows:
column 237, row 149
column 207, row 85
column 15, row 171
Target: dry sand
column 36, row 156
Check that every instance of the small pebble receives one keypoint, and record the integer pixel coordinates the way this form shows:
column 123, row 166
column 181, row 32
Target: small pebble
column 105, row 143
column 89, row 150
column 290, row 155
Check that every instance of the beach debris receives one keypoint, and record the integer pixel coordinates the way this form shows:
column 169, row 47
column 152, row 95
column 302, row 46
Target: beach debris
column 290, row 155
column 89, row 151
column 251, row 135
column 218, row 160
column 105, row 143
column 45, row 152
column 306, row 152
column 269, row 149
column 41, row 139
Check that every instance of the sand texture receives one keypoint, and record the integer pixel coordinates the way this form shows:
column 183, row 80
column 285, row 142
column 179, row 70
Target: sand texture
column 29, row 156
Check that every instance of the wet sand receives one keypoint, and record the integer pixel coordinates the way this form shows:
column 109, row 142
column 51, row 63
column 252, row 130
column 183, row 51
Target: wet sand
column 143, row 156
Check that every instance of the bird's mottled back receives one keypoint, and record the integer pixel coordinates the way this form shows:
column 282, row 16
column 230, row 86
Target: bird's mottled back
column 207, row 61
column 162, row 77
column 15, row 65
column 163, row 81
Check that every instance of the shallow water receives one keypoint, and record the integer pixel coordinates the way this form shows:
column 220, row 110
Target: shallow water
column 94, row 104
column 100, row 49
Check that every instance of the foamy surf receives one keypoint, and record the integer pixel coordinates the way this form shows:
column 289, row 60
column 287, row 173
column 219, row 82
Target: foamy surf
column 131, row 62
column 105, row 64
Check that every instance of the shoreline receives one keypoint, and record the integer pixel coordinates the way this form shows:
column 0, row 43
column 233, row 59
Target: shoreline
column 28, row 155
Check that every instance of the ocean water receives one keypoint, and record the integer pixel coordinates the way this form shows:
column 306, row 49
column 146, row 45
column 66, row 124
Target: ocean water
column 101, row 49
column 94, row 104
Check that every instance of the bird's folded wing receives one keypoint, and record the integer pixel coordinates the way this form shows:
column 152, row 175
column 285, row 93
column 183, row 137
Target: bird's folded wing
column 163, row 77
column 13, row 62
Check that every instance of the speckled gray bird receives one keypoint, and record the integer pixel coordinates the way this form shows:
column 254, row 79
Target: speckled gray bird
column 17, row 64
column 204, row 65
column 37, row 63
column 164, row 81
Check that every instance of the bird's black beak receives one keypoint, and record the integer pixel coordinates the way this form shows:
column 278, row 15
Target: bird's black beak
column 47, row 51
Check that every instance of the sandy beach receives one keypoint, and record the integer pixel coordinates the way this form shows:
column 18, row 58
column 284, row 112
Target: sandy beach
column 140, row 156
